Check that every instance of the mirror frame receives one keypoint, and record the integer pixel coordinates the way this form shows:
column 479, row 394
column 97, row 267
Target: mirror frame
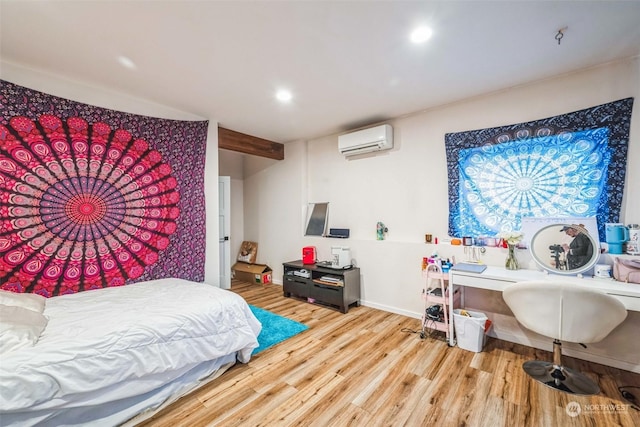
column 543, row 239
column 317, row 219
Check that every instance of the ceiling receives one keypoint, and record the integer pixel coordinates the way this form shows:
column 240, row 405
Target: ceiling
column 347, row 64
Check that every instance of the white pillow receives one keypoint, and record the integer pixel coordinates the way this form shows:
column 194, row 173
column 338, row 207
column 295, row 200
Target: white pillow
column 31, row 301
column 19, row 327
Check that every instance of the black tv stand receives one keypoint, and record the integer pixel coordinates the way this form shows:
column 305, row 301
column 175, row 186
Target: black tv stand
column 337, row 288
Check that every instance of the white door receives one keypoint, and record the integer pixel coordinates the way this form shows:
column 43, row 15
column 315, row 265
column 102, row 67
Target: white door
column 224, row 229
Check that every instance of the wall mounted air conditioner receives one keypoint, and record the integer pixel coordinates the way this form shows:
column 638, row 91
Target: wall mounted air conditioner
column 366, row 140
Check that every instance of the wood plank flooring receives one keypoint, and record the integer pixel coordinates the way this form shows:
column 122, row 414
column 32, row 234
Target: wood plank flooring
column 364, row 369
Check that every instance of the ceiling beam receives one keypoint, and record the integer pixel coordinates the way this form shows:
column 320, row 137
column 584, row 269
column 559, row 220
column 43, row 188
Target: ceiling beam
column 236, row 141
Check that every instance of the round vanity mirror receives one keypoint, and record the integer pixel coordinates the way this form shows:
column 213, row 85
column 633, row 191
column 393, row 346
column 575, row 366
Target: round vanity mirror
column 564, row 249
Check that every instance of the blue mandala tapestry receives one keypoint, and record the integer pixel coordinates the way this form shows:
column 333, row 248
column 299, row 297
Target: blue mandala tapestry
column 572, row 165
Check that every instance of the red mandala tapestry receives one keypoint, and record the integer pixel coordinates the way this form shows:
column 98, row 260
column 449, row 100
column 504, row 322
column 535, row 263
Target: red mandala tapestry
column 83, row 205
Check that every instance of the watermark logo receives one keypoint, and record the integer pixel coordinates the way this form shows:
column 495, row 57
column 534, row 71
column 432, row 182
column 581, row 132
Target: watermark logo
column 573, row 409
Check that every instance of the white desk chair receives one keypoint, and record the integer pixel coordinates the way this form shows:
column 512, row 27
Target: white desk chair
column 563, row 312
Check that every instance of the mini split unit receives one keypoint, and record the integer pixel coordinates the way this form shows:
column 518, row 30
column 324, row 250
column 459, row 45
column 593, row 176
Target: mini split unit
column 377, row 138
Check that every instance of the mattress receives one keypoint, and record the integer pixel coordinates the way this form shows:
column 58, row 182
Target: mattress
column 120, row 346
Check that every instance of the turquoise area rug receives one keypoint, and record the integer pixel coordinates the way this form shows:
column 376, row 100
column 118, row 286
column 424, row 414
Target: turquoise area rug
column 275, row 328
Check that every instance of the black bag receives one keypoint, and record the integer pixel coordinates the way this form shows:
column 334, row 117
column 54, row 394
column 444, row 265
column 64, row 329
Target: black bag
column 436, row 313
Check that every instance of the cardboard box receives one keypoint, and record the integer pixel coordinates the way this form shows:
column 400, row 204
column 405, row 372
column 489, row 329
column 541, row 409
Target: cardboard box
column 252, row 273
column 248, row 252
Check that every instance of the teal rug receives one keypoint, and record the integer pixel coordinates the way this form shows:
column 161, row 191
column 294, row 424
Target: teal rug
column 275, row 328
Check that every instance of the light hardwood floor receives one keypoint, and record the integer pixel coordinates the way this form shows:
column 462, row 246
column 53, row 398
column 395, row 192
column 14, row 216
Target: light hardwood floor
column 362, row 369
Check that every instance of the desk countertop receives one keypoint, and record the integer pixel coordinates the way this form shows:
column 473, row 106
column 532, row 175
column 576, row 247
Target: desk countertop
column 497, row 278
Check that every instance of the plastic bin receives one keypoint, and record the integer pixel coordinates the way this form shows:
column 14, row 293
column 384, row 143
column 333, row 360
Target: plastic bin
column 470, row 331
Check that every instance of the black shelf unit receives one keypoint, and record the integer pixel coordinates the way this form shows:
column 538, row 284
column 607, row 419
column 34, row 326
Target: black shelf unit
column 339, row 288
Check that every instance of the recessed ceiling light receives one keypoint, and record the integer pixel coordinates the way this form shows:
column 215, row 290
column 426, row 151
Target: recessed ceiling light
column 126, row 62
column 284, row 95
column 421, row 34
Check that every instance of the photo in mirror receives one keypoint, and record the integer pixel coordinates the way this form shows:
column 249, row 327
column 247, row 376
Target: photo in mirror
column 566, row 248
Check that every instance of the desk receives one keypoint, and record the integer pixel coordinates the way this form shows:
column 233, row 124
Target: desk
column 498, row 278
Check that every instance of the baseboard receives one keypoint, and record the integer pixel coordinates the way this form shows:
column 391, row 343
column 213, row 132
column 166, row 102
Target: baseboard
column 390, row 309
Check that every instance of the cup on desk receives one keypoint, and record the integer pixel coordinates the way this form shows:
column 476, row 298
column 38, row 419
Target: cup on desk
column 428, row 238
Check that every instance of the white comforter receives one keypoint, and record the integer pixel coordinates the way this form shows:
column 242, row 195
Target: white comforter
column 98, row 343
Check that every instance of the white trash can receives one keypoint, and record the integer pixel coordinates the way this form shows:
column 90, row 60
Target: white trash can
column 470, row 333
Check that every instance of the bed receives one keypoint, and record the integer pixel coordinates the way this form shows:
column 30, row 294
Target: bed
column 116, row 355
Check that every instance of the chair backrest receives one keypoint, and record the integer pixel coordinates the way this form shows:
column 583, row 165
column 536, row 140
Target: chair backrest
column 564, row 311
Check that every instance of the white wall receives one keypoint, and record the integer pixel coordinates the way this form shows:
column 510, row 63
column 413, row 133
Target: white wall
column 237, row 166
column 231, row 164
column 273, row 218
column 103, row 97
column 212, row 253
column 406, row 188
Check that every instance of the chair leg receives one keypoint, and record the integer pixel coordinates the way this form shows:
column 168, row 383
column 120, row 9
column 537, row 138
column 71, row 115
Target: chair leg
column 559, row 377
